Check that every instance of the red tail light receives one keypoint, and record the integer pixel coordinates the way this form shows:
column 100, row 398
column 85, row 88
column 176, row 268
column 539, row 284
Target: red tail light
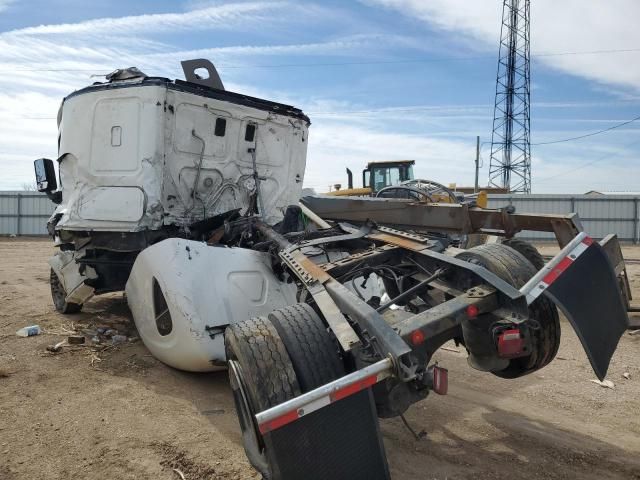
column 510, row 344
column 440, row 380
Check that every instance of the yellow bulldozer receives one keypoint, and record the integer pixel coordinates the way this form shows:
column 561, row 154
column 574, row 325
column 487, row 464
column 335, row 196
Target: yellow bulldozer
column 395, row 179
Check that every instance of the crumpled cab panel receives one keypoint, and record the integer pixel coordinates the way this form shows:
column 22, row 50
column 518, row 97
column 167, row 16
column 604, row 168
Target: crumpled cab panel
column 189, row 153
column 183, row 294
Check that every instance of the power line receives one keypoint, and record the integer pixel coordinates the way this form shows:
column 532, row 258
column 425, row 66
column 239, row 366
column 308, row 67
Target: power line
column 355, row 63
column 395, row 109
column 587, row 164
column 590, row 134
column 36, row 118
column 51, row 70
column 591, row 52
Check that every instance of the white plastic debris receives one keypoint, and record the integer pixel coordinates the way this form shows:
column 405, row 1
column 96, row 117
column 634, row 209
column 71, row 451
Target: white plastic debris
column 626, row 375
column 29, row 331
column 118, row 339
column 605, row 384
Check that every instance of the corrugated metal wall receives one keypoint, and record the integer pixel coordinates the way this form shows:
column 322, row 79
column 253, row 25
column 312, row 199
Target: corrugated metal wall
column 600, row 214
column 24, row 213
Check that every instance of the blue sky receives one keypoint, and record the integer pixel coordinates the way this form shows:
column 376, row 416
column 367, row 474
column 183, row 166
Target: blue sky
column 380, row 79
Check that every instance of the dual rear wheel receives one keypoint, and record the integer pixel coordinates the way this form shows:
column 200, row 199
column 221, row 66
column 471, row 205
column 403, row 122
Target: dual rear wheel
column 277, row 357
column 516, row 263
column 274, row 359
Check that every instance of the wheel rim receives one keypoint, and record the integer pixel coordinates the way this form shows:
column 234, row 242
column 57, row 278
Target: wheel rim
column 251, row 437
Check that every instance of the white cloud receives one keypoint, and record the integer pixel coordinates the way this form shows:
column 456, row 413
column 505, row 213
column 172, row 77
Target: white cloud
column 347, row 46
column 556, row 26
column 343, row 134
column 4, row 4
column 336, row 145
column 227, row 16
column 40, row 65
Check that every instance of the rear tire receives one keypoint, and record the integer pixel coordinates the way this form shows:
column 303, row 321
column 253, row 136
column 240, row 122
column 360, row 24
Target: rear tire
column 59, row 294
column 311, row 348
column 512, row 267
column 527, row 250
column 261, row 376
column 272, row 360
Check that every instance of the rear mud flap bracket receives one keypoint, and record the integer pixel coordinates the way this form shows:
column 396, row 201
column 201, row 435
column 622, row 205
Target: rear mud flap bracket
column 341, row 440
column 581, row 281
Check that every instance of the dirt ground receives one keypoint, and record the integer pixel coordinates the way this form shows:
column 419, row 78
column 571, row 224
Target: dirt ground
column 121, row 414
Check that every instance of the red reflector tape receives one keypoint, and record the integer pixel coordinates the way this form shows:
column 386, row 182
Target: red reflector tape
column 279, row 421
column 295, row 414
column 554, row 273
column 550, row 277
column 354, row 388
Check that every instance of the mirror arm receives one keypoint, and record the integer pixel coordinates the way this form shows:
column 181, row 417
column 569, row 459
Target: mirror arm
column 55, row 197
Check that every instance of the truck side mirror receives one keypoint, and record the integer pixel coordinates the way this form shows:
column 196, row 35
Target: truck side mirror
column 45, row 175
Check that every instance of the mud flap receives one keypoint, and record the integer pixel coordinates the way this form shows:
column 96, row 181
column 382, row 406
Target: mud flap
column 582, row 282
column 340, row 440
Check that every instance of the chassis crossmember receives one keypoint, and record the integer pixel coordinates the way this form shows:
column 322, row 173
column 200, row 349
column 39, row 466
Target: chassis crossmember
column 580, row 280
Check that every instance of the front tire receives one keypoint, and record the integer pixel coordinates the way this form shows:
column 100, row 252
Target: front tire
column 59, row 294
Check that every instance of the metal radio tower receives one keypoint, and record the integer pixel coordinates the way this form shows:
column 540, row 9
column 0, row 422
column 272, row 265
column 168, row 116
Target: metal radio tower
column 510, row 164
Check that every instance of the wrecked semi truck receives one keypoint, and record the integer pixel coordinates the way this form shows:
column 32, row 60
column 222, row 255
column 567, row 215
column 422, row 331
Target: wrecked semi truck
column 326, row 311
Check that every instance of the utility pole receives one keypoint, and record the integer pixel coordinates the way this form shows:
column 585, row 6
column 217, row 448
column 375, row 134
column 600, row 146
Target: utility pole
column 475, row 188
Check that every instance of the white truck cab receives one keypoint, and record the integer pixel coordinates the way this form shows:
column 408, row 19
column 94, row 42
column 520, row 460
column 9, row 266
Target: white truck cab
column 143, row 159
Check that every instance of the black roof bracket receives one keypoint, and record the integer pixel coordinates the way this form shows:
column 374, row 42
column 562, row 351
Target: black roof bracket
column 189, row 67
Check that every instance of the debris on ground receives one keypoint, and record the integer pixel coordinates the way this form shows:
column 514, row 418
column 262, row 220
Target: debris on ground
column 634, row 332
column 29, row 331
column 57, row 347
column 449, row 349
column 626, row 375
column 4, row 372
column 76, row 339
column 118, row 339
column 97, row 335
column 179, row 473
column 605, row 384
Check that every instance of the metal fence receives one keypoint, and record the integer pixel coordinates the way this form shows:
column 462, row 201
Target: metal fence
column 26, row 213
column 600, row 214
